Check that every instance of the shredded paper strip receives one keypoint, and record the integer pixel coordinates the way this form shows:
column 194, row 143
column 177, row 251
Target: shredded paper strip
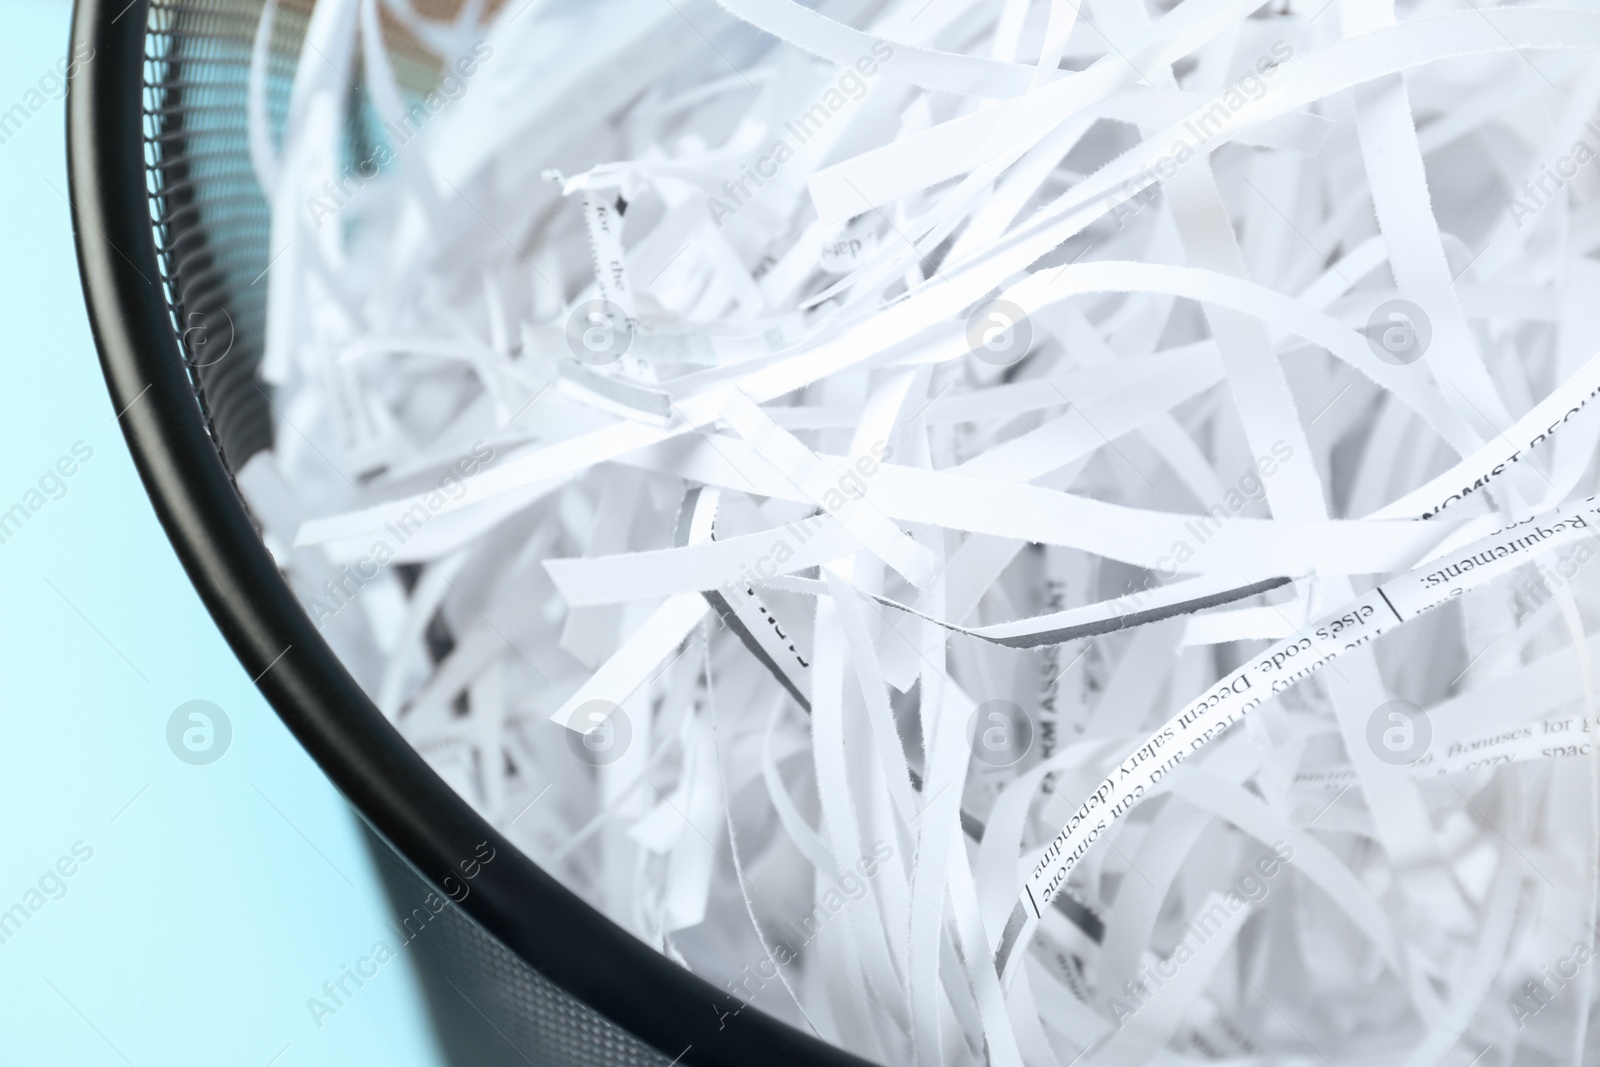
column 1017, row 533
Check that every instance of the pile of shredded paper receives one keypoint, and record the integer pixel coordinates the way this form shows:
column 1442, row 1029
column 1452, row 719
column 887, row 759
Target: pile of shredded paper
column 931, row 513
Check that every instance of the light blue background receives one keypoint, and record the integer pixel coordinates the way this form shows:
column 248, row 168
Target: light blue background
column 219, row 898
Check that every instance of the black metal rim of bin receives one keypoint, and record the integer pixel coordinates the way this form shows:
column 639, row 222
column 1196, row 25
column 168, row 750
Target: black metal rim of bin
column 179, row 424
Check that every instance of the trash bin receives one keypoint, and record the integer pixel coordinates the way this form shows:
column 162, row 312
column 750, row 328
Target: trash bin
column 172, row 235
